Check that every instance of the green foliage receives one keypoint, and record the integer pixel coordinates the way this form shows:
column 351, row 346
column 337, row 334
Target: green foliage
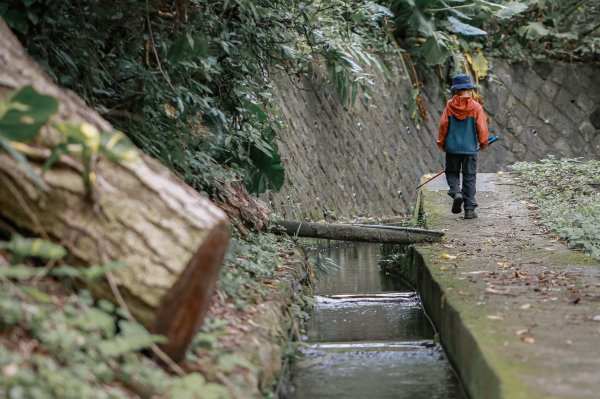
column 248, row 263
column 57, row 344
column 133, row 337
column 435, row 30
column 557, row 29
column 567, row 194
column 194, row 386
column 268, row 172
column 77, row 351
column 86, row 142
column 21, row 247
column 20, row 15
column 22, row 114
column 189, row 81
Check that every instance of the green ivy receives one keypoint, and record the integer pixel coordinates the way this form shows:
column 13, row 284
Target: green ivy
column 55, row 343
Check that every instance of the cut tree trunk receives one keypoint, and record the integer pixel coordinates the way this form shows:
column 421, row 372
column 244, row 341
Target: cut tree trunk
column 348, row 232
column 171, row 238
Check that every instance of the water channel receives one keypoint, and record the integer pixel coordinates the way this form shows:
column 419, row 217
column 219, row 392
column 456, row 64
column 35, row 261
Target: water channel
column 368, row 337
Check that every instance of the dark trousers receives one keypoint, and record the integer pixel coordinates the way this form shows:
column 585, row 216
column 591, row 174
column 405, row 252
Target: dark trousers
column 467, row 164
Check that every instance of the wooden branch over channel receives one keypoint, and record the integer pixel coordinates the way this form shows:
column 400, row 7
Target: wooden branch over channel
column 360, row 233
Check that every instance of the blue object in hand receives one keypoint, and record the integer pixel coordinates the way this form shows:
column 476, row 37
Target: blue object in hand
column 492, row 139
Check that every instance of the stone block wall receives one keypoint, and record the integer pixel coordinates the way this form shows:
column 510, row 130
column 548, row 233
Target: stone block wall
column 368, row 159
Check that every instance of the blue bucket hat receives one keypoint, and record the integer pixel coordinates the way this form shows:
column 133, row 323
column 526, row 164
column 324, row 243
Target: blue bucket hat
column 462, row 82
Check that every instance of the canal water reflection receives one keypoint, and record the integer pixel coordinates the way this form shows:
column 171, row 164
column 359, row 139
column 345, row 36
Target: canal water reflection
column 368, row 337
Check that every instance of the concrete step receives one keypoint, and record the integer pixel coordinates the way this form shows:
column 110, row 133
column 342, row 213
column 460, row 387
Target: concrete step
column 377, row 346
column 391, row 319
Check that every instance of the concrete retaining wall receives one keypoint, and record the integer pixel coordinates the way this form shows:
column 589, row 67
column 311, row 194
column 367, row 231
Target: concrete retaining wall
column 367, row 159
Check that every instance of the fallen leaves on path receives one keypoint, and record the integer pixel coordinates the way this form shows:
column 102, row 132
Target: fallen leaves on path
column 445, row 256
column 492, row 290
column 528, row 340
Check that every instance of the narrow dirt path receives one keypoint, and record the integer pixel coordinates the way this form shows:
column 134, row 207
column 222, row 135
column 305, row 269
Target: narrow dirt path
column 531, row 305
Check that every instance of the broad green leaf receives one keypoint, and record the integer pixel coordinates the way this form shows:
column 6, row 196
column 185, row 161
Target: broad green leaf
column 26, row 111
column 434, row 51
column 17, row 20
column 465, row 29
column 261, row 116
column 478, row 63
column 533, row 30
column 419, row 22
column 511, row 9
column 267, row 172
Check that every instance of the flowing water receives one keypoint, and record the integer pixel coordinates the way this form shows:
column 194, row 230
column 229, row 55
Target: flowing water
column 368, row 337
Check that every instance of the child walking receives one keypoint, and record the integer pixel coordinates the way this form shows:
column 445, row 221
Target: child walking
column 462, row 131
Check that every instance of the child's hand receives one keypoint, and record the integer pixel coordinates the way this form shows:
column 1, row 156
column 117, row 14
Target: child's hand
column 483, row 147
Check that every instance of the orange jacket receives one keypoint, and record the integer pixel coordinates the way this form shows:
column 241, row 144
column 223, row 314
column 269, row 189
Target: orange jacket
column 463, row 126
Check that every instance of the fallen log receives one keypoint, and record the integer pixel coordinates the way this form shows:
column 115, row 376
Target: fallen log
column 171, row 238
column 401, row 228
column 348, row 232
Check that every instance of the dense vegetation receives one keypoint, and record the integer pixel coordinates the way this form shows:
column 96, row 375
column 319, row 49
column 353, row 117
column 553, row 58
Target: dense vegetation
column 56, row 341
column 567, row 195
column 190, row 81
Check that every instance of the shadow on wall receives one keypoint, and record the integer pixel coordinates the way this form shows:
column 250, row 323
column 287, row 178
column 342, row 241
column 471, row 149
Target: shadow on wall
column 367, row 160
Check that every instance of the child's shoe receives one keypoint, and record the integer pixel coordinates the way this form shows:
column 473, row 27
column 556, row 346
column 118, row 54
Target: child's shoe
column 470, row 214
column 457, row 203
